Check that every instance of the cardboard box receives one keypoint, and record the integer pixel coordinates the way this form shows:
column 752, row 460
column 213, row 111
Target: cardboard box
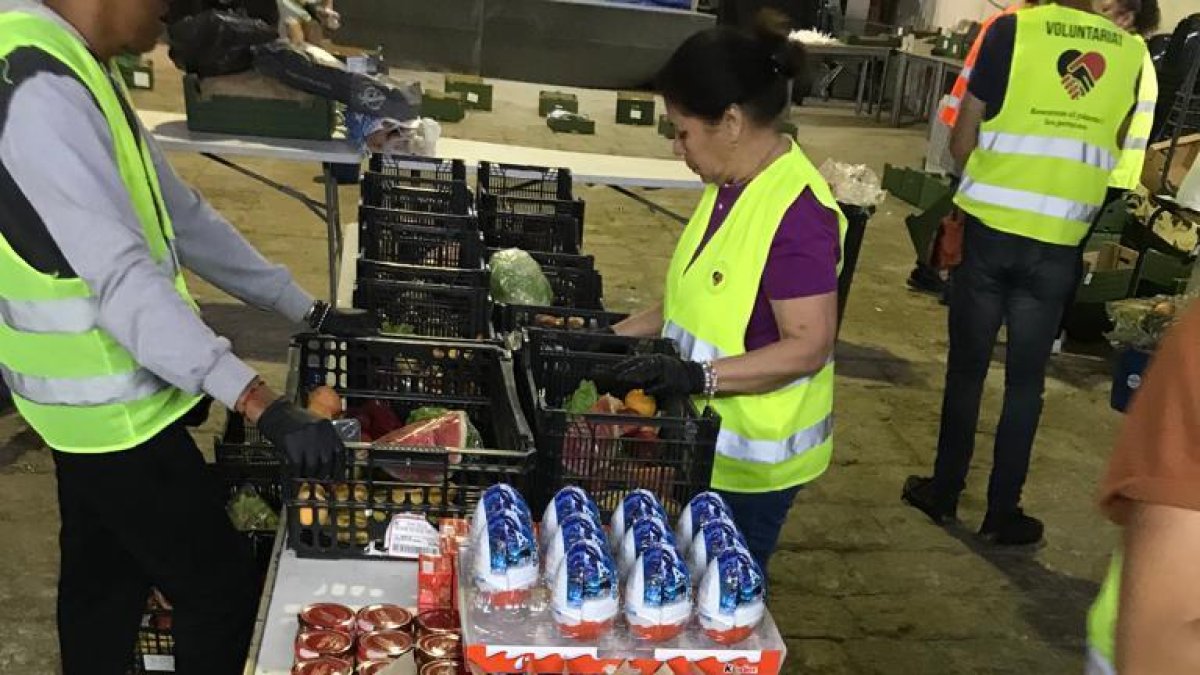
column 477, row 94
column 634, row 108
column 549, row 100
column 1156, row 159
column 1107, row 273
column 575, row 124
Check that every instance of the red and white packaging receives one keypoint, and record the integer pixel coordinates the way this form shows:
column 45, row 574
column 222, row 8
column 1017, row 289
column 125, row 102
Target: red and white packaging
column 384, row 617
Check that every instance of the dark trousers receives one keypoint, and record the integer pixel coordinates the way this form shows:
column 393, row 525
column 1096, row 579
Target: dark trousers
column 1024, row 284
column 760, row 517
column 149, row 516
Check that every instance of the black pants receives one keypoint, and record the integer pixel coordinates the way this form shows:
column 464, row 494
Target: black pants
column 1024, row 284
column 150, row 515
column 760, row 517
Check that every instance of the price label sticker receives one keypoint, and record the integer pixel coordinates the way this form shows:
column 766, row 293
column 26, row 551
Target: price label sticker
column 635, row 114
column 472, row 97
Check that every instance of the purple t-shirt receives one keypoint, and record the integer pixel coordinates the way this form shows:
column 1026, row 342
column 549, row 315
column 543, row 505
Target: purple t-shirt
column 802, row 261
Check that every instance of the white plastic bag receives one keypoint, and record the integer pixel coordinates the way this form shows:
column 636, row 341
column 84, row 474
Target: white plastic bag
column 853, row 184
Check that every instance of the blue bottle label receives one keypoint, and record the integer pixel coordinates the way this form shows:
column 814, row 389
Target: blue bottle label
column 665, row 577
column 741, row 579
column 591, row 573
column 510, row 543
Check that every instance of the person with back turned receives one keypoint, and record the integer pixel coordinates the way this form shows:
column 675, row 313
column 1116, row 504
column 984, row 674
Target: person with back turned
column 105, row 353
column 1039, row 134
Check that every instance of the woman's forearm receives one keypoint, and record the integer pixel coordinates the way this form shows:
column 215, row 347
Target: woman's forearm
column 646, row 323
column 767, row 369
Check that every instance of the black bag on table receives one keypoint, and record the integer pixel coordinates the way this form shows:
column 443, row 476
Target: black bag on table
column 215, row 42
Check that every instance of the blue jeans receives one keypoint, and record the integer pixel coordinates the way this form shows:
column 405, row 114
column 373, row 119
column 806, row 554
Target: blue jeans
column 760, row 517
column 1026, row 285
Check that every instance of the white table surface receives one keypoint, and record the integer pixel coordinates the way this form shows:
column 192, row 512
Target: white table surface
column 171, row 132
column 301, row 581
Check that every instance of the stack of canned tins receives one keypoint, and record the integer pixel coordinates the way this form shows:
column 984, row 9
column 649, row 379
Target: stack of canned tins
column 336, row 640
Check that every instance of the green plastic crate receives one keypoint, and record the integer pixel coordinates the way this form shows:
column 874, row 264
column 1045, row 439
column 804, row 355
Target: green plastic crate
column 549, row 100
column 1162, row 271
column 933, row 189
column 893, row 176
column 666, row 128
column 634, row 108
column 1114, row 218
column 573, row 125
column 312, row 119
column 443, row 106
column 477, row 94
column 1108, row 274
column 923, row 227
column 137, row 72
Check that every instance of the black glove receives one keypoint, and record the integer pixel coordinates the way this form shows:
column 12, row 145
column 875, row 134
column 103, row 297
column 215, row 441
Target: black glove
column 343, row 322
column 307, row 442
column 660, row 375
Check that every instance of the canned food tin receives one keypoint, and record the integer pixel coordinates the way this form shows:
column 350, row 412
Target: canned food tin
column 371, row 667
column 313, row 644
column 440, row 668
column 438, row 621
column 326, row 665
column 439, row 647
column 384, row 617
column 328, row 616
column 384, row 645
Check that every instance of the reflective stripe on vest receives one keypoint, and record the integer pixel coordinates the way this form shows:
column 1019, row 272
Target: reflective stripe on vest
column 1048, row 146
column 1042, row 165
column 1128, row 173
column 99, row 390
column 767, row 441
column 1098, row 665
column 1045, row 205
column 71, row 380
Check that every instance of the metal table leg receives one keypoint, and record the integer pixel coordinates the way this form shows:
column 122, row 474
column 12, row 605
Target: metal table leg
column 333, row 222
column 864, row 70
column 879, row 95
column 901, row 85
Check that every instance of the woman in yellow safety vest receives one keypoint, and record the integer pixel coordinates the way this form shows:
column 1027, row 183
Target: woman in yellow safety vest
column 751, row 292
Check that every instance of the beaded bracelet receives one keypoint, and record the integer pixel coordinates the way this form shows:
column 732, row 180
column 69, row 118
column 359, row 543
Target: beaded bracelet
column 710, row 379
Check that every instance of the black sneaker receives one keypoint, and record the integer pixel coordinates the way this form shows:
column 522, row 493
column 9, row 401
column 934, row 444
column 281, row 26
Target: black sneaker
column 925, row 279
column 920, row 493
column 1013, row 528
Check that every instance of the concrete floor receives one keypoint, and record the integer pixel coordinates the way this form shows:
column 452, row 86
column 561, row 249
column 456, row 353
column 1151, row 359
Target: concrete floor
column 862, row 584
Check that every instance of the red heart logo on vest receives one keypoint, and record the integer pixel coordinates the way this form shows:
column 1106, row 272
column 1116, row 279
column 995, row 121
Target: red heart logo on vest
column 1080, row 72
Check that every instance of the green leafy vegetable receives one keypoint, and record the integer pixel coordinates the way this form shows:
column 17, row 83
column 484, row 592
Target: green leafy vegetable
column 583, row 399
column 248, row 511
column 517, row 279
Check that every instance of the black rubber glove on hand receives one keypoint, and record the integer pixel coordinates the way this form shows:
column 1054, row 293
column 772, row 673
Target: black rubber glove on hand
column 343, row 322
column 660, row 375
column 307, row 442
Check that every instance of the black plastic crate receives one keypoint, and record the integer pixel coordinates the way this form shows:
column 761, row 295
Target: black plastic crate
column 533, row 182
column 670, row 454
column 426, row 301
column 413, row 193
column 381, row 481
column 412, row 238
column 573, row 278
column 548, row 232
column 509, row 318
column 418, row 167
column 154, row 651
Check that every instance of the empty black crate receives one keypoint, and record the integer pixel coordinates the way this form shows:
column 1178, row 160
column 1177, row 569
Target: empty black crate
column 413, row 193
column 419, row 167
column 516, row 180
column 531, row 224
column 349, row 515
column 426, row 301
column 412, row 238
column 670, row 454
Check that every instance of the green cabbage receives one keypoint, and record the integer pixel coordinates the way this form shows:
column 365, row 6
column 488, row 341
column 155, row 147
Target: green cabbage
column 517, row 279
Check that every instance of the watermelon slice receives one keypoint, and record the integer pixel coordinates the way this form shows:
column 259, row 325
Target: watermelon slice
column 444, row 431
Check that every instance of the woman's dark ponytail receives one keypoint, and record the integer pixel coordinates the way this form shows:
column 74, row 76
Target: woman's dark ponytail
column 720, row 67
